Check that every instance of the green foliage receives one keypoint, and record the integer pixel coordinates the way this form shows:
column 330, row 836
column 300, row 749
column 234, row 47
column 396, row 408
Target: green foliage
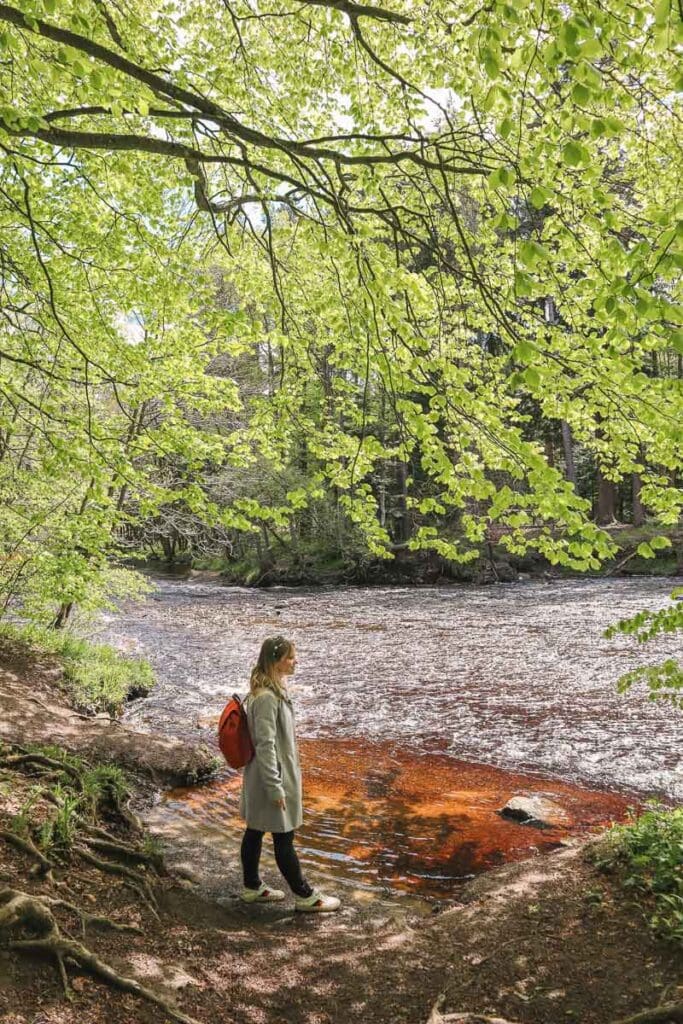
column 665, row 680
column 101, row 787
column 80, row 794
column 97, row 677
column 101, row 679
column 316, row 256
column 647, row 853
column 61, row 829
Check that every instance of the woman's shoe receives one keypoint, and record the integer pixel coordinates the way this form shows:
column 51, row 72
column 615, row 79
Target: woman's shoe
column 316, row 903
column 264, row 894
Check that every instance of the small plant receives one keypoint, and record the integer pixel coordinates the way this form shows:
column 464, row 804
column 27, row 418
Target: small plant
column 594, row 897
column 103, row 784
column 20, row 823
column 104, row 680
column 72, row 762
column 46, row 836
column 647, row 854
column 65, row 820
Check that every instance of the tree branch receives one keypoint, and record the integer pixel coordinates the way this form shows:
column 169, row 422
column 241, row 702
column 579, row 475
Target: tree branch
column 354, row 10
column 202, row 105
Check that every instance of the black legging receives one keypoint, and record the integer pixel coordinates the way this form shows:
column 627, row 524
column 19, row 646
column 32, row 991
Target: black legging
column 285, row 857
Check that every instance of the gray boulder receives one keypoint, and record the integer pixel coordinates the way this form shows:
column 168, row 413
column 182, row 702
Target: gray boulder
column 535, row 810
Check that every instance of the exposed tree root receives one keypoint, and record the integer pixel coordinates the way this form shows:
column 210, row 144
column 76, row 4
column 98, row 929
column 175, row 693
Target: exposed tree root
column 95, row 920
column 72, row 714
column 469, row 1018
column 121, row 850
column 130, row 817
column 101, row 833
column 27, row 846
column 132, row 878
column 41, row 761
column 19, row 909
column 437, row 1017
column 665, row 1014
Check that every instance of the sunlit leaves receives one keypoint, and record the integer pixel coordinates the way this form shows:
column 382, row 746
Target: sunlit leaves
column 387, row 310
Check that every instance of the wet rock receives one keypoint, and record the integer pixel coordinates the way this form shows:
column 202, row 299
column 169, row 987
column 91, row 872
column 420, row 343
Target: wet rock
column 537, row 811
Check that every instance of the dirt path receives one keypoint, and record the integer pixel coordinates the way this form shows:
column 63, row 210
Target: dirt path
column 536, row 943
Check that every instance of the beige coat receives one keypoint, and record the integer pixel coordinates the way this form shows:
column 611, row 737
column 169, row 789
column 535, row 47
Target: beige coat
column 274, row 773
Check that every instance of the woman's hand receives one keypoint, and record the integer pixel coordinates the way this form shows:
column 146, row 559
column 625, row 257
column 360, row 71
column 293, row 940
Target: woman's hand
column 280, row 803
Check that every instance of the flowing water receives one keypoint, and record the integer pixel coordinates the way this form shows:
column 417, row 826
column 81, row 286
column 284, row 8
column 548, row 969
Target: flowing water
column 420, row 712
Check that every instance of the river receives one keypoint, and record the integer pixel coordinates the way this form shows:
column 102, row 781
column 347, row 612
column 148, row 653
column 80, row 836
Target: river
column 420, row 709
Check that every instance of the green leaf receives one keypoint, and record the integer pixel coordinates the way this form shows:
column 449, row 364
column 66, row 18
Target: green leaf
column 491, row 65
column 539, row 196
column 524, row 285
column 662, row 11
column 581, row 94
column 591, row 48
column 659, row 543
column 501, row 177
column 530, row 252
column 524, row 352
column 573, row 154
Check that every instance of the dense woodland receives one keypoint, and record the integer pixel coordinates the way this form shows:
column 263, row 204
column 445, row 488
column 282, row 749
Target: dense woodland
column 341, row 281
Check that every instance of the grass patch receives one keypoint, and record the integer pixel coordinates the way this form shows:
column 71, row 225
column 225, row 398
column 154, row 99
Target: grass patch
column 101, row 679
column 96, row 676
column 647, row 856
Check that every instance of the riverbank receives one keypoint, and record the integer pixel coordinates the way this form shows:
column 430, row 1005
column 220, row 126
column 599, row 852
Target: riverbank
column 305, row 566
column 35, row 711
column 538, row 942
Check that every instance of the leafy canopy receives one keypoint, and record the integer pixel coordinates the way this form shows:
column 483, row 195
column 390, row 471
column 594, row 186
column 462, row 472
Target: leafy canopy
column 458, row 211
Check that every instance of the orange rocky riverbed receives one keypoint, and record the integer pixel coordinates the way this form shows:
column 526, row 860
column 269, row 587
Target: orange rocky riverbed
column 377, row 815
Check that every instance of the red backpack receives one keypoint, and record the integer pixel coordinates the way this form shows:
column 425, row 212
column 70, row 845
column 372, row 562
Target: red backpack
column 233, row 734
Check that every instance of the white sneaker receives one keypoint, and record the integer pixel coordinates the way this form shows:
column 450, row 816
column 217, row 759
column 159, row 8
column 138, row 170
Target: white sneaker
column 316, row 903
column 264, row 894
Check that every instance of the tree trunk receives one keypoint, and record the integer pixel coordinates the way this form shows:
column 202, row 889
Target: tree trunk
column 402, row 527
column 605, row 504
column 568, row 446
column 638, row 509
column 550, row 451
column 62, row 616
column 168, row 545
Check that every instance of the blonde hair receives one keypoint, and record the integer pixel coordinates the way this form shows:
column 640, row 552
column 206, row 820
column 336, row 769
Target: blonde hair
column 272, row 649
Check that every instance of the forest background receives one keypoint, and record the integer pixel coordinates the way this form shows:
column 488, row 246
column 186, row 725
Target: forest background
column 332, row 282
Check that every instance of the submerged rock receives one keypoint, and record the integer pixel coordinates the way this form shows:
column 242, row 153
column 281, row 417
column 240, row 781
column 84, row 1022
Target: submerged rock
column 537, row 811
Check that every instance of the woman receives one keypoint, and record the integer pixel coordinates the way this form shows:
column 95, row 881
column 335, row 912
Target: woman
column 271, row 788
